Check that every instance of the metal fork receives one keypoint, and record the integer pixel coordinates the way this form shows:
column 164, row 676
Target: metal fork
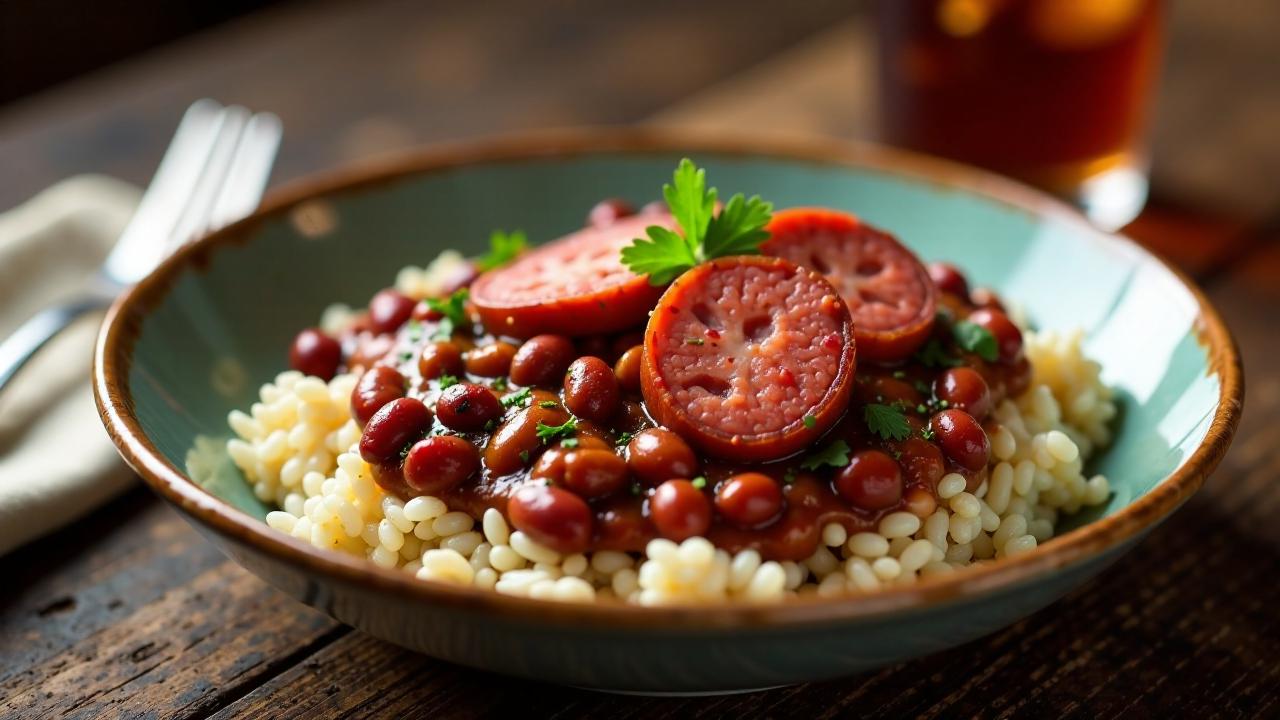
column 213, row 173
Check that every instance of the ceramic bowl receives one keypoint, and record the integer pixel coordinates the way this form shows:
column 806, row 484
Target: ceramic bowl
column 196, row 339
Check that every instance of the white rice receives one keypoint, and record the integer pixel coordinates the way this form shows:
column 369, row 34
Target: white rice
column 298, row 448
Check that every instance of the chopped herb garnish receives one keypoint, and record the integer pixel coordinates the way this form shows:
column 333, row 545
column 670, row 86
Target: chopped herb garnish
column 922, row 387
column 623, row 438
column 944, row 404
column 694, row 341
column 503, row 248
column 789, row 476
column 569, row 443
column 454, row 309
column 517, row 399
column 698, row 482
column 933, row 355
column 636, row 489
column 737, row 230
column 414, row 330
column 444, row 330
column 547, row 433
column 406, row 355
column 887, row 421
column 836, row 455
column 447, row 381
column 489, row 426
column 898, row 374
column 810, row 422
column 548, row 404
column 500, row 384
column 524, row 456
column 921, row 409
column 926, row 433
column 976, row 339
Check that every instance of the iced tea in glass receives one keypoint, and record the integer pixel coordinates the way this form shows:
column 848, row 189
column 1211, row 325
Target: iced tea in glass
column 1053, row 92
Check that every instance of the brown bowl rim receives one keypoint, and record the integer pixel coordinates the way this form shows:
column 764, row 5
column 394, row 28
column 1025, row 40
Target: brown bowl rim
column 113, row 356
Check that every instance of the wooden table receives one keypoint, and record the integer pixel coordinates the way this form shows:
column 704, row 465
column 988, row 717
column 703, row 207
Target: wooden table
column 129, row 613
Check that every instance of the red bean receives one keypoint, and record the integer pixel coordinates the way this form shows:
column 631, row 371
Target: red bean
column 656, row 455
column 552, row 517
column 438, row 464
column 314, row 353
column 369, row 349
column 1008, row 336
column 591, row 390
column 886, row 390
column 423, row 311
column 949, row 279
column 627, row 369
column 679, row 510
column 921, row 461
column 542, row 360
column 962, row 439
column 493, row 360
column 440, row 358
column 594, row 473
column 394, row 426
column 388, row 310
column 872, row 481
column 607, row 211
column 749, row 500
column 466, row 407
column 377, row 387
column 550, row 464
column 963, row 388
column 513, row 444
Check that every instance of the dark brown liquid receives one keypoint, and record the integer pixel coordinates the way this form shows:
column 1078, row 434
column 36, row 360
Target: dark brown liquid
column 1049, row 91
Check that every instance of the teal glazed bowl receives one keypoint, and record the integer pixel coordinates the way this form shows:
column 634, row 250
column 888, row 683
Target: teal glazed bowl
column 196, row 339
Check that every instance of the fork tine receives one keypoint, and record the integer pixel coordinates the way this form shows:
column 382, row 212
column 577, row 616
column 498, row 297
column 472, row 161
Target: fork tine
column 250, row 168
column 195, row 216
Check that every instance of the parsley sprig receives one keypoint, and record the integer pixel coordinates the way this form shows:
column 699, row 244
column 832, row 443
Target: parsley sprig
column 976, row 339
column 503, row 248
column 836, row 455
column 737, row 230
column 547, row 433
column 887, row 421
column 517, row 399
column 454, row 309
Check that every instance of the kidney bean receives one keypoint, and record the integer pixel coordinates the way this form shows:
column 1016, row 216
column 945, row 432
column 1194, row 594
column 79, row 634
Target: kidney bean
column 493, row 360
column 1008, row 336
column 440, row 357
column 587, row 430
column 314, row 353
column 552, row 517
column 627, row 369
column 467, row 407
column 550, row 464
column 949, row 279
column 367, row 349
column 377, row 387
column 594, row 473
column 607, row 211
column 542, row 360
column 438, row 464
column 749, row 500
column 513, row 444
column 679, row 510
column 872, row 481
column 921, row 462
column 885, row 390
column 591, row 390
column 388, row 310
column 962, row 438
column 394, row 426
column 963, row 388
column 656, row 455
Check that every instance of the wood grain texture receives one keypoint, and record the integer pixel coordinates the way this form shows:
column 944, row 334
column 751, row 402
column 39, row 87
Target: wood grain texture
column 130, row 613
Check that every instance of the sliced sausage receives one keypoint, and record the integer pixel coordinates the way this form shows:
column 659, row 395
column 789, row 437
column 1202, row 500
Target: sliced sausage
column 574, row 286
column 749, row 358
column 890, row 295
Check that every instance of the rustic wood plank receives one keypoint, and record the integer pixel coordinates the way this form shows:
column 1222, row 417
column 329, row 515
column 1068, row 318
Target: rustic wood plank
column 355, row 79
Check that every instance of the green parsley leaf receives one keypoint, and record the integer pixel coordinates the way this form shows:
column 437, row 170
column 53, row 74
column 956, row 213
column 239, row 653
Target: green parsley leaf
column 454, row 308
column 886, row 421
column 569, row 443
column 699, row 482
column 547, row 433
column 976, row 339
column 500, row 384
column 548, row 404
column 737, row 230
column 836, row 455
column 926, row 433
column 517, row 399
column 447, row 381
column 694, row 341
column 503, row 248
column 898, row 374
column 623, row 439
column 444, row 329
column 524, row 457
column 789, row 476
column 933, row 355
column 810, row 422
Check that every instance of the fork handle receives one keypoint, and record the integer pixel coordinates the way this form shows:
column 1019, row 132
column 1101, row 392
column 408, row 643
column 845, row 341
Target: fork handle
column 19, row 347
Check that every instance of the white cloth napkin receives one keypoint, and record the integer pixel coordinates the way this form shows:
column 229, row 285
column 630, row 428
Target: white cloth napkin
column 56, row 461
